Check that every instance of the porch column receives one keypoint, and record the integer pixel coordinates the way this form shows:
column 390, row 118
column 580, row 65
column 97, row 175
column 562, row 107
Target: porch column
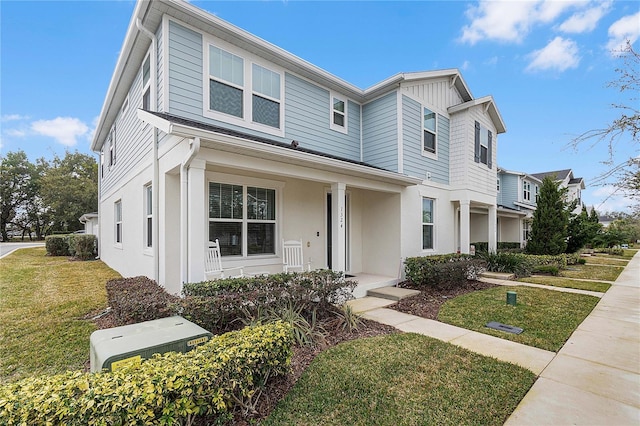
column 493, row 229
column 465, row 226
column 338, row 228
column 196, row 221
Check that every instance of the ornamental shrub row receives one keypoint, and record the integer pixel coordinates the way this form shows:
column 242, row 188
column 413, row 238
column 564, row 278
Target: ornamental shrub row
column 522, row 265
column 210, row 382
column 442, row 271
column 81, row 246
column 139, row 299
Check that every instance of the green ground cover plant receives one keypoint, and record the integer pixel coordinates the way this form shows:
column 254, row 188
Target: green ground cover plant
column 567, row 283
column 548, row 317
column 403, row 379
column 592, row 272
column 43, row 300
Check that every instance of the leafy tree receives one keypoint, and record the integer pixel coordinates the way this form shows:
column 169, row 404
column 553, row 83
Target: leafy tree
column 549, row 228
column 625, row 174
column 17, row 188
column 69, row 189
column 582, row 230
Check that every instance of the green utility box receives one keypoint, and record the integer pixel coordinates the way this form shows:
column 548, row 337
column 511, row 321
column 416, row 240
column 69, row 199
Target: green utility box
column 114, row 348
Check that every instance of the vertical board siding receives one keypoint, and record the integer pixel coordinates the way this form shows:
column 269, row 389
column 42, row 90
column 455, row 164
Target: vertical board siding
column 133, row 141
column 438, row 93
column 415, row 164
column 380, row 132
column 307, row 120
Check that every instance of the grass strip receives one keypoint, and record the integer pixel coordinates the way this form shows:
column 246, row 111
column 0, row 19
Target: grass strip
column 548, row 317
column 403, row 379
column 567, row 283
column 42, row 302
column 601, row 260
column 592, row 272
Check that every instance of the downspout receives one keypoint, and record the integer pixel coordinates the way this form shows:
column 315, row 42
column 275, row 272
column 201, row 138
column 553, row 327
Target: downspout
column 194, row 148
column 154, row 131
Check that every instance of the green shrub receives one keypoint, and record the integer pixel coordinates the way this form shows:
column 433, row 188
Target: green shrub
column 572, row 258
column 582, row 261
column 84, row 246
column 483, row 246
column 57, row 245
column 514, row 263
column 546, row 269
column 442, row 271
column 139, row 299
column 213, row 380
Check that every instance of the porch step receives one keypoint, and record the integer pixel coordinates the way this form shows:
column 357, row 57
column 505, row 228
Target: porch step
column 392, row 293
column 499, row 275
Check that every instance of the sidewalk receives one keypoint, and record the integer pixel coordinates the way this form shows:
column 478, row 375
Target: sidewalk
column 595, row 378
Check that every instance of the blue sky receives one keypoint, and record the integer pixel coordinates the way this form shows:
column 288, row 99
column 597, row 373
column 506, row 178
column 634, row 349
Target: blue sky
column 546, row 63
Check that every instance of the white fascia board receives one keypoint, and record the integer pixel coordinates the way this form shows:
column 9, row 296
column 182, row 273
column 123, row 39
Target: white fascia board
column 492, row 109
column 504, row 211
column 523, row 205
column 240, row 144
column 158, row 122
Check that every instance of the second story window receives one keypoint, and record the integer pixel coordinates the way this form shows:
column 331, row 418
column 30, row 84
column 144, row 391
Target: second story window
column 483, row 145
column 146, row 83
column 112, row 147
column 338, row 113
column 526, row 191
column 266, row 96
column 429, row 130
column 226, row 82
column 498, row 185
column 537, row 189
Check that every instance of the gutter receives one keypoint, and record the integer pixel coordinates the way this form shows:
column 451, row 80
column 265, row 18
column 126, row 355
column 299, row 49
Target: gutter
column 194, row 148
column 154, row 132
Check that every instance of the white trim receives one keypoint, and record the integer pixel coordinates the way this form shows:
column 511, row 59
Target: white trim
column 146, row 215
column 424, row 152
column 117, row 206
column 399, row 120
column 333, row 126
column 432, row 224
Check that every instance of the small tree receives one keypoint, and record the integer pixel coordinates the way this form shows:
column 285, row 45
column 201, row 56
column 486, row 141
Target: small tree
column 549, row 229
column 583, row 228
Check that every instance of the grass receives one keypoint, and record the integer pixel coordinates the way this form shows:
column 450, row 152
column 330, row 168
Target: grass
column 592, row 272
column 548, row 317
column 42, row 302
column 567, row 283
column 601, row 260
column 403, row 379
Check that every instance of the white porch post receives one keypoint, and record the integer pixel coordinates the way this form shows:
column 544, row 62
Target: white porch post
column 338, row 228
column 196, row 219
column 493, row 229
column 465, row 226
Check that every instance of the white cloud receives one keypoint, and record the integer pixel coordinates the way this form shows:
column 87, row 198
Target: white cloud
column 16, row 133
column 510, row 21
column 13, row 117
column 560, row 54
column 586, row 20
column 63, row 129
column 465, row 66
column 492, row 61
column 607, row 199
column 625, row 28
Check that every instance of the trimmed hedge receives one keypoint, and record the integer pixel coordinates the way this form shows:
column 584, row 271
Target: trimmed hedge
column 442, row 271
column 139, row 299
column 522, row 265
column 213, row 380
column 501, row 246
column 80, row 246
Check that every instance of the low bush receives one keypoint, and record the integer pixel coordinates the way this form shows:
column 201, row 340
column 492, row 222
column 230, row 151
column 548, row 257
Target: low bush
column 139, row 299
column 483, row 246
column 213, row 380
column 546, row 270
column 514, row 263
column 57, row 245
column 572, row 258
column 442, row 271
column 610, row 250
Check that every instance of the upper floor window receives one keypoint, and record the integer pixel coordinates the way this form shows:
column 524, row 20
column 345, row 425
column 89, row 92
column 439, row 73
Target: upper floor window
column 537, row 189
column 242, row 218
column 112, row 146
column 226, row 82
column 244, row 91
column 146, row 83
column 483, row 145
column 526, row 191
column 498, row 185
column 338, row 113
column 429, row 131
column 427, row 224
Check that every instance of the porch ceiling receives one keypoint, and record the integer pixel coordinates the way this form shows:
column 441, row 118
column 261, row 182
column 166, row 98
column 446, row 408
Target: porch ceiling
column 254, row 146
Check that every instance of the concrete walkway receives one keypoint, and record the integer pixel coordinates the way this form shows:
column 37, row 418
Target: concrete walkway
column 595, row 378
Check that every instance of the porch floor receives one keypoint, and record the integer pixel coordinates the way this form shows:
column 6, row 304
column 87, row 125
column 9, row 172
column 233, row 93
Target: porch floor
column 369, row 282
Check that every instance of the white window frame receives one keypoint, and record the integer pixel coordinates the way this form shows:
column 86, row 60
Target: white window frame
column 484, row 144
column 117, row 220
column 432, row 224
column 333, row 96
column 250, row 182
column 277, row 100
column 247, row 88
column 497, row 184
column 425, row 152
column 146, row 86
column 526, row 190
column 148, row 216
column 112, row 146
column 537, row 192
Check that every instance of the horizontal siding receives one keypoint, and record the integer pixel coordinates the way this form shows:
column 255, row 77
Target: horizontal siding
column 160, row 70
column 380, row 132
column 509, row 190
column 480, row 176
column 416, row 164
column 185, row 72
column 307, row 120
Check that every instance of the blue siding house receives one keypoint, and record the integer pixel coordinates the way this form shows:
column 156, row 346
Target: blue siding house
column 209, row 132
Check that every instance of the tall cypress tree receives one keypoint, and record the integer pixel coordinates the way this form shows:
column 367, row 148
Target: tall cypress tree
column 549, row 230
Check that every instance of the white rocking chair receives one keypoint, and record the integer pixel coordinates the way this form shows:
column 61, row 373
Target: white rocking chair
column 292, row 257
column 213, row 262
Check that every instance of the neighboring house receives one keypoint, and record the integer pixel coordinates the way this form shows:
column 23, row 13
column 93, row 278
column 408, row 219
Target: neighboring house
column 566, row 180
column 517, row 198
column 90, row 222
column 208, row 132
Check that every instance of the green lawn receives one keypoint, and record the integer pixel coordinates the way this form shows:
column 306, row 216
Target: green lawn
column 403, row 379
column 42, row 302
column 601, row 260
column 548, row 317
column 567, row 283
column 592, row 272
